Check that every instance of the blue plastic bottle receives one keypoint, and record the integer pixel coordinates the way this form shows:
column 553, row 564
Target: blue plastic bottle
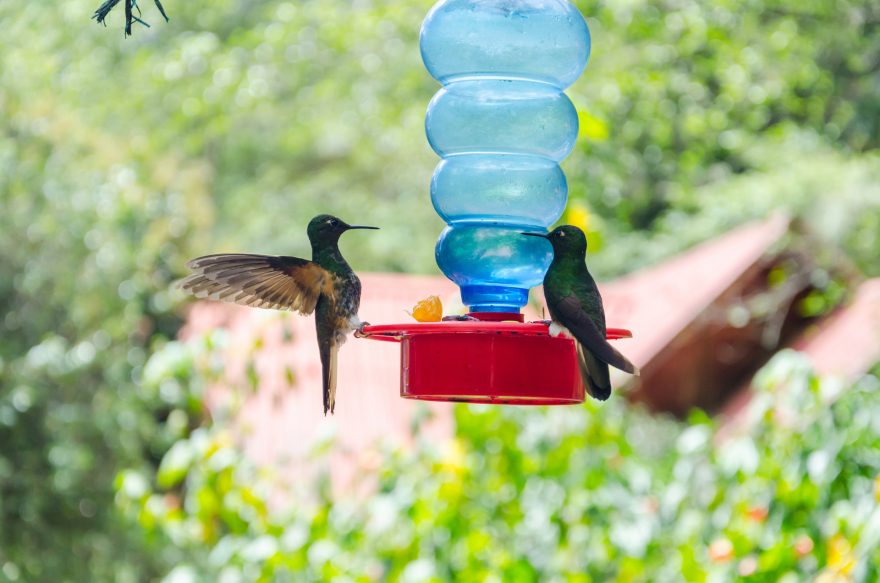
column 502, row 124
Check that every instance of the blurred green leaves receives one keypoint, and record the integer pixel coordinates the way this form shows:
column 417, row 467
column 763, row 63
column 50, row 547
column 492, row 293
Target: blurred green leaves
column 593, row 493
column 310, row 107
column 686, row 91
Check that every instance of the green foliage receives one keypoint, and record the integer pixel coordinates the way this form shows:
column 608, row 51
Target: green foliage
column 837, row 199
column 679, row 92
column 86, row 259
column 596, row 493
column 289, row 109
column 227, row 128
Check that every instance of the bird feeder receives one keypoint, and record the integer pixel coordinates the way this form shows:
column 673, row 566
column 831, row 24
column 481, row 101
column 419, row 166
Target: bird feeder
column 501, row 124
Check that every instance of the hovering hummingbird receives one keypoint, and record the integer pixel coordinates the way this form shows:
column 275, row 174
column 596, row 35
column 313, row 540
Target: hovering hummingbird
column 325, row 285
column 576, row 309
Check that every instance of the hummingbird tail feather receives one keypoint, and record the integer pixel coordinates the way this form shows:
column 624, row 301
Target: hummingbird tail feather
column 594, row 374
column 328, row 362
column 621, row 362
column 597, row 392
column 334, row 350
column 584, row 329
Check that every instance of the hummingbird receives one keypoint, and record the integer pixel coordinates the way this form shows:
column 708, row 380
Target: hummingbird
column 576, row 309
column 326, row 285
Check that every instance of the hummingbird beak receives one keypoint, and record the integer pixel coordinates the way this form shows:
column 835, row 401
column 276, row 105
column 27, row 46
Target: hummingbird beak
column 350, row 227
column 542, row 235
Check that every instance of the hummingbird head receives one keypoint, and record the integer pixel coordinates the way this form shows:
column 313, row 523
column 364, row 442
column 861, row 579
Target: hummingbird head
column 566, row 240
column 326, row 229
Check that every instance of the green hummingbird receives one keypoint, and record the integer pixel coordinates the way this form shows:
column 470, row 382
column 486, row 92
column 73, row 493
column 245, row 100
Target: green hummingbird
column 325, row 285
column 576, row 309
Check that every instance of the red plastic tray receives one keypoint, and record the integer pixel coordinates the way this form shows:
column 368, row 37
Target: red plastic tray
column 502, row 361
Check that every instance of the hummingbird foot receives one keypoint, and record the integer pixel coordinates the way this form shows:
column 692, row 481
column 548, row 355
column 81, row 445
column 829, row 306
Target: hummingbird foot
column 462, row 318
column 554, row 328
column 558, row 330
column 359, row 330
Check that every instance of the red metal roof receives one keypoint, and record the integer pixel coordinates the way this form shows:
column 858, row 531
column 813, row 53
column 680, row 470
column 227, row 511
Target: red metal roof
column 657, row 303
column 847, row 343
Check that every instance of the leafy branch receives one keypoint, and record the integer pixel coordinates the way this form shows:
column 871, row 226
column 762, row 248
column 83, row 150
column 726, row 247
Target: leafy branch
column 104, row 9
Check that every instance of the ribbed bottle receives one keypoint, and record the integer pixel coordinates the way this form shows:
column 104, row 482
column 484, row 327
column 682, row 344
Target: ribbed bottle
column 501, row 124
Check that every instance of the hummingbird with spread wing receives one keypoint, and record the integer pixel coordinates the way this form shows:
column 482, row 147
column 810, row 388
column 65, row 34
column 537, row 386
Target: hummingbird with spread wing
column 576, row 309
column 326, row 285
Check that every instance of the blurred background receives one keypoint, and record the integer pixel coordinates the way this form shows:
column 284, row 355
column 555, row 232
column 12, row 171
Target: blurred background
column 227, row 128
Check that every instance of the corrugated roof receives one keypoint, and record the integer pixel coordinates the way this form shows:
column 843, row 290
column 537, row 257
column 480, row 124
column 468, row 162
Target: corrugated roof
column 659, row 302
column 845, row 345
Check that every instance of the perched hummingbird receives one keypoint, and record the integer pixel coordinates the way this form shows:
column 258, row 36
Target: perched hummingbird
column 325, row 285
column 576, row 309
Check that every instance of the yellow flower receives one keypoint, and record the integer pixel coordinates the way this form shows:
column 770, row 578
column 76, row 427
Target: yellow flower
column 453, row 457
column 577, row 214
column 592, row 127
column 841, row 559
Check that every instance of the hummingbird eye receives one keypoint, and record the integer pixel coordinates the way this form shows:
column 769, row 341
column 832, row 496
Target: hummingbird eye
column 333, row 222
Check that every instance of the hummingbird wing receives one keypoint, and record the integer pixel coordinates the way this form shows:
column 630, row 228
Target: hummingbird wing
column 260, row 281
column 574, row 317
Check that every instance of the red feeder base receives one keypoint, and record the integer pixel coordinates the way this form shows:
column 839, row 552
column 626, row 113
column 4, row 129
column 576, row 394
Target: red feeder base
column 499, row 361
